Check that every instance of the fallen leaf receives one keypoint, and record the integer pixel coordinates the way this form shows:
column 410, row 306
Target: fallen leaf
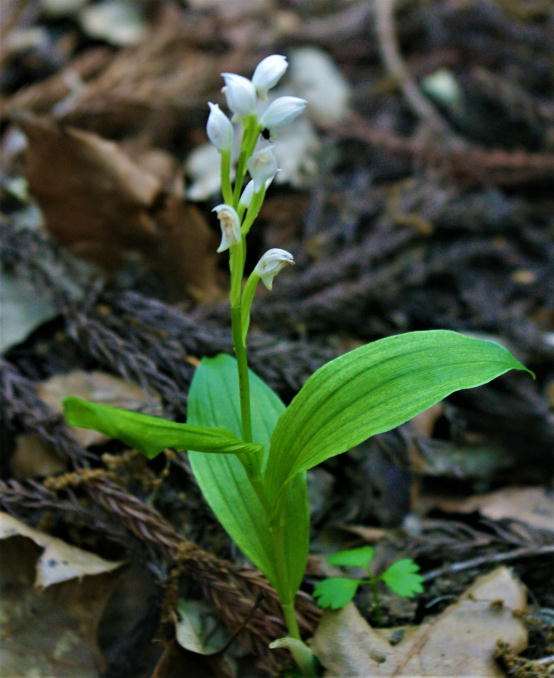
column 430, row 457
column 118, row 22
column 33, row 457
column 151, row 87
column 21, row 311
column 460, row 641
column 315, row 77
column 59, row 561
column 531, row 505
column 198, row 629
column 101, row 388
column 50, row 632
column 103, row 205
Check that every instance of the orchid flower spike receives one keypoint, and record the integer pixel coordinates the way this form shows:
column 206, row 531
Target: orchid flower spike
column 240, row 94
column 219, row 129
column 268, row 73
column 282, row 111
column 230, row 226
column 273, row 261
column 263, row 166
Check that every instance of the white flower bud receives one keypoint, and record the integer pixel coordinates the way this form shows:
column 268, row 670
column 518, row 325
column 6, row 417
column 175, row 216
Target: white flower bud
column 240, row 94
column 282, row 111
column 263, row 166
column 230, row 226
column 248, row 193
column 268, row 73
column 219, row 128
column 271, row 263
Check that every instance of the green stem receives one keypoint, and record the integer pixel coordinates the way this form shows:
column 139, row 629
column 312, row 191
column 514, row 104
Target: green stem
column 253, row 210
column 225, row 166
column 236, row 265
column 301, row 653
column 242, row 362
column 246, row 302
column 290, row 620
column 251, row 132
column 287, row 603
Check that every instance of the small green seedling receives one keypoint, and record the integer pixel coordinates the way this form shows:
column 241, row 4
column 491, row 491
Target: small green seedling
column 401, row 578
column 249, row 452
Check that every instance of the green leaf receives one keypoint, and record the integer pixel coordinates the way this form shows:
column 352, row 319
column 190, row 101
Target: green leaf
column 402, row 578
column 360, row 557
column 336, row 592
column 213, row 400
column 150, row 434
column 374, row 389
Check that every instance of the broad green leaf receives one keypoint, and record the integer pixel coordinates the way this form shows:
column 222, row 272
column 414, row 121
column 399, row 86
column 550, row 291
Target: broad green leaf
column 373, row 389
column 335, row 592
column 403, row 579
column 150, row 434
column 360, row 557
column 214, row 401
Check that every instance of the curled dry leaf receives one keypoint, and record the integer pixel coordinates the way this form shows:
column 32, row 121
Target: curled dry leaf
column 101, row 388
column 59, row 561
column 102, row 205
column 460, row 641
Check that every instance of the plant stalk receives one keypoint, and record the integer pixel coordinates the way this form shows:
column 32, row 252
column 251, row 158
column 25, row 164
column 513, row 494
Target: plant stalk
column 241, row 302
column 251, row 131
column 226, row 188
column 278, row 535
column 242, row 363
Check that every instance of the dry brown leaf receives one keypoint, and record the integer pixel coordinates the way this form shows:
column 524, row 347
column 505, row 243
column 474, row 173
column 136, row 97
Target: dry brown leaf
column 41, row 96
column 461, row 641
column 59, row 561
column 33, row 457
column 102, row 204
column 51, row 632
column 102, row 388
column 531, row 505
column 150, row 87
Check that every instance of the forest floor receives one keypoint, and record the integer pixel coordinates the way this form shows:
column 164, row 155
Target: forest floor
column 417, row 194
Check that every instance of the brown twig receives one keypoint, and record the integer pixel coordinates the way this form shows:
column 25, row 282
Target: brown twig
column 392, row 59
column 515, row 554
column 471, row 164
